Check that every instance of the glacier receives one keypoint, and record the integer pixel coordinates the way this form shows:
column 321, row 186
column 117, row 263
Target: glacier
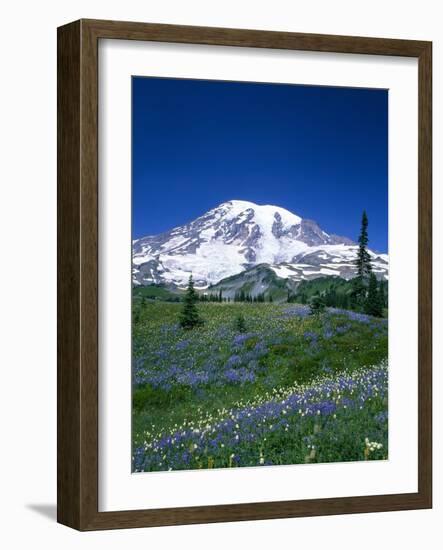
column 237, row 235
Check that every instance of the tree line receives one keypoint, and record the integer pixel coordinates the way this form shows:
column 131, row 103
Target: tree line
column 239, row 296
column 366, row 295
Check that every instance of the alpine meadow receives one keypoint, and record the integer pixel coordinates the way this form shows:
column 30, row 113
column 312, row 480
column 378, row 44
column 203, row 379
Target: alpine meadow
column 259, row 336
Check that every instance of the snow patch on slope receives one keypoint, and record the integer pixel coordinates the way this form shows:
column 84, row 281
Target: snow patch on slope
column 237, row 235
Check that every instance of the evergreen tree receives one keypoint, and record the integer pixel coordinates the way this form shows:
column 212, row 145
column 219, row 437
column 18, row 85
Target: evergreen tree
column 363, row 261
column 373, row 304
column 189, row 317
column 240, row 323
column 381, row 294
column 331, row 298
column 357, row 295
column 317, row 305
column 381, row 297
column 364, row 269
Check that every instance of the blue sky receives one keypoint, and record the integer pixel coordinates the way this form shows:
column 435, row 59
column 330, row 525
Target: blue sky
column 321, row 152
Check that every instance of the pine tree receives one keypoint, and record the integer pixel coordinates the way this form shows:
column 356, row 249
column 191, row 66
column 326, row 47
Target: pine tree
column 189, row 317
column 381, row 296
column 364, row 269
column 344, row 301
column 358, row 294
column 240, row 323
column 331, row 298
column 317, row 304
column 363, row 261
column 373, row 305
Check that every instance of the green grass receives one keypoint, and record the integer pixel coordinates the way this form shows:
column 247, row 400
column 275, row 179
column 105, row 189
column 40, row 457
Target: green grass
column 183, row 376
column 155, row 292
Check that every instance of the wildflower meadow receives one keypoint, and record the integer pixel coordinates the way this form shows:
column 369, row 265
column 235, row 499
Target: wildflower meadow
column 283, row 386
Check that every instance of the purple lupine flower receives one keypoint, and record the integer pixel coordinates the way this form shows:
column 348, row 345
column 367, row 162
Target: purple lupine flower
column 183, row 344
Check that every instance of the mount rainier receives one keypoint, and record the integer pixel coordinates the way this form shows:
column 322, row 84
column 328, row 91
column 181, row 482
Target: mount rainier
column 238, row 235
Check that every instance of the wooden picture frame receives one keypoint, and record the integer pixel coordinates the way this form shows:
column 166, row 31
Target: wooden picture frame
column 78, row 274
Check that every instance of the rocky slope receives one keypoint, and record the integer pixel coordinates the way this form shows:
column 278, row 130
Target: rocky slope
column 238, row 235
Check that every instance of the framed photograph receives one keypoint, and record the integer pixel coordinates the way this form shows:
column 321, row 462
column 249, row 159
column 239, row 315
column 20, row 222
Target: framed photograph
column 244, row 275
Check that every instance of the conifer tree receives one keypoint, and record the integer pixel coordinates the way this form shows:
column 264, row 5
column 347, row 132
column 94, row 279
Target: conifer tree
column 189, row 317
column 317, row 304
column 381, row 295
column 373, row 305
column 240, row 323
column 363, row 261
column 364, row 269
column 344, row 301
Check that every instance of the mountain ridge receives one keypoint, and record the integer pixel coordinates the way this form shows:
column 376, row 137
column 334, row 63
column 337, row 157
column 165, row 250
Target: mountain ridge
column 238, row 235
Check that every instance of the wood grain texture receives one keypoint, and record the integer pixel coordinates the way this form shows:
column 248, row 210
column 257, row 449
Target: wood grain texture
column 68, row 275
column 78, row 274
column 425, row 273
column 254, row 38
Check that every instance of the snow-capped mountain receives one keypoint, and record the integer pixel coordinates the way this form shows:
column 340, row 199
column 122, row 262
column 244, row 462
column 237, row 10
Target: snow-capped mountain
column 238, row 235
